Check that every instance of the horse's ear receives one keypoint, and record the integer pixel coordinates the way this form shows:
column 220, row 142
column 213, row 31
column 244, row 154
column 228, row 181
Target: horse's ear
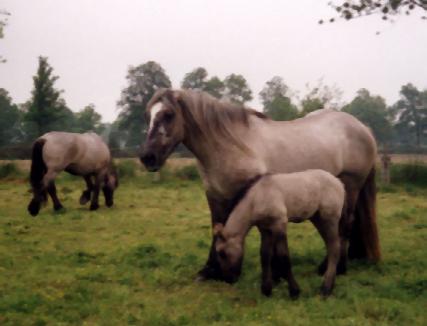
column 217, row 230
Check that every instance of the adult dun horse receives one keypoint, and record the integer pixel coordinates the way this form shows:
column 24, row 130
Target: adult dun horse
column 235, row 145
column 79, row 154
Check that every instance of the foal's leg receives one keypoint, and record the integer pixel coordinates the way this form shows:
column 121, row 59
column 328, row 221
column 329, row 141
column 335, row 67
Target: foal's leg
column 94, row 205
column 51, row 189
column 267, row 249
column 85, row 197
column 285, row 266
column 328, row 229
column 345, row 225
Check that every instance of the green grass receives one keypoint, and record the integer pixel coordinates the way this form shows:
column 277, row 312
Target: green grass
column 135, row 263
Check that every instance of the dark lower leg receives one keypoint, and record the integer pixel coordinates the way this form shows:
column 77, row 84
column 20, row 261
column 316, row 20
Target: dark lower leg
column 94, row 205
column 267, row 249
column 85, row 197
column 285, row 265
column 219, row 213
column 108, row 195
column 51, row 189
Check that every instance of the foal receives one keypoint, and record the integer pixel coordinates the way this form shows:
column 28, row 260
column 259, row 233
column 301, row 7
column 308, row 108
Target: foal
column 314, row 195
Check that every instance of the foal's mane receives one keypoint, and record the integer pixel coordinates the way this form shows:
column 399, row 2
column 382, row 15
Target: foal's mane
column 214, row 120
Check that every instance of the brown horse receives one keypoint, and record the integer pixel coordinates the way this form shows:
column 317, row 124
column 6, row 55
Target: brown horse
column 79, row 154
column 270, row 204
column 233, row 145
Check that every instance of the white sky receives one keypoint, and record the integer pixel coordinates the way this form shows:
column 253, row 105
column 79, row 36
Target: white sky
column 91, row 43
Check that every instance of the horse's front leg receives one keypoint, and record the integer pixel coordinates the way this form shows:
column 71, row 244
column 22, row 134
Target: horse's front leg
column 219, row 214
column 85, row 197
column 284, row 263
column 345, row 226
column 94, row 205
column 267, row 249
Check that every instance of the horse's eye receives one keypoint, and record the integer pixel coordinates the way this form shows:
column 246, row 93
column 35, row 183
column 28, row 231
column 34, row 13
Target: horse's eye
column 222, row 254
column 169, row 116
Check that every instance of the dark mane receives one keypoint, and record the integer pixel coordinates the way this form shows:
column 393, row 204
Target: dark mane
column 213, row 119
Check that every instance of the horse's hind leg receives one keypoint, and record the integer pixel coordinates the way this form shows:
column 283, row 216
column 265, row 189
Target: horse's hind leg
column 94, row 205
column 284, row 264
column 328, row 229
column 85, row 197
column 51, row 189
column 49, row 185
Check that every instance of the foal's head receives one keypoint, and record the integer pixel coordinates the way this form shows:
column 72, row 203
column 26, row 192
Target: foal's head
column 111, row 182
column 229, row 251
column 165, row 131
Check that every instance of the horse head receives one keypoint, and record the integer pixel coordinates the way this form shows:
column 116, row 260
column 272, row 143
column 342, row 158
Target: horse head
column 229, row 251
column 165, row 131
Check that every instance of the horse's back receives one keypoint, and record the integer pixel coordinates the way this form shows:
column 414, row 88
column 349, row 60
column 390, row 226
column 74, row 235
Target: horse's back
column 332, row 141
column 301, row 193
column 82, row 153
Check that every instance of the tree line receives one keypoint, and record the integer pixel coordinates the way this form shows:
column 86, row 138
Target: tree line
column 401, row 126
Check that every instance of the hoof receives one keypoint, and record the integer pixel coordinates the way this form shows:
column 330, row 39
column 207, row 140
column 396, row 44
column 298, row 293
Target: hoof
column 325, row 291
column 208, row 273
column 84, row 198
column 34, row 208
column 109, row 203
column 294, row 293
column 267, row 289
column 58, row 207
column 94, row 207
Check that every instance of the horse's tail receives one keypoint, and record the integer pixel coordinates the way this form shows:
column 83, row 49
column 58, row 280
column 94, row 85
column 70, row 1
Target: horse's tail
column 364, row 240
column 38, row 166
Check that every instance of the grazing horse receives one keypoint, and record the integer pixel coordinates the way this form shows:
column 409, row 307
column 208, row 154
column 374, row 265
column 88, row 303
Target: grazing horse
column 79, row 154
column 233, row 145
column 271, row 203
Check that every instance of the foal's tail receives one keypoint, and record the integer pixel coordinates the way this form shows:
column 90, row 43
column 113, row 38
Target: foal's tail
column 364, row 241
column 38, row 166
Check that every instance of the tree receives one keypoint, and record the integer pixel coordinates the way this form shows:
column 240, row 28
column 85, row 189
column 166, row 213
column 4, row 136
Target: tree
column 215, row 87
column 350, row 9
column 198, row 79
column 46, row 110
column 274, row 88
column 276, row 99
column 319, row 97
column 3, row 23
column 143, row 81
column 236, row 89
column 281, row 109
column 9, row 120
column 371, row 110
column 411, row 112
column 89, row 120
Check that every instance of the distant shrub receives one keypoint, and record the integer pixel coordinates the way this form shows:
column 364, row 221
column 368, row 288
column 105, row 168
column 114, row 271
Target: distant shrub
column 9, row 170
column 188, row 172
column 409, row 173
column 126, row 168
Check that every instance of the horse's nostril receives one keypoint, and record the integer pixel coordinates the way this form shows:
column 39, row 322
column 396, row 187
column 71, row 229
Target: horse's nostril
column 148, row 159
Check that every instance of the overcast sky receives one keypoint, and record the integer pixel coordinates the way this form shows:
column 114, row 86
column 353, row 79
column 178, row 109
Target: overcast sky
column 91, row 44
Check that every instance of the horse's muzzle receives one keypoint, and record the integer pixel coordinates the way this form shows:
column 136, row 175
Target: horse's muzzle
column 150, row 161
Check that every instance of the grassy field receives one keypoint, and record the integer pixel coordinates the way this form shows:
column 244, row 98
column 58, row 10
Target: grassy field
column 135, row 263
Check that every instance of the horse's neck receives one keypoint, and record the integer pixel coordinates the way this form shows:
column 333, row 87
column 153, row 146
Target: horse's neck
column 240, row 221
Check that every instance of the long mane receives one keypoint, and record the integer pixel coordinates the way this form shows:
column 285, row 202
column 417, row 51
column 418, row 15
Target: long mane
column 214, row 120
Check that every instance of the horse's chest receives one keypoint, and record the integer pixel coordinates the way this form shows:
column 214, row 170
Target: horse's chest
column 226, row 183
